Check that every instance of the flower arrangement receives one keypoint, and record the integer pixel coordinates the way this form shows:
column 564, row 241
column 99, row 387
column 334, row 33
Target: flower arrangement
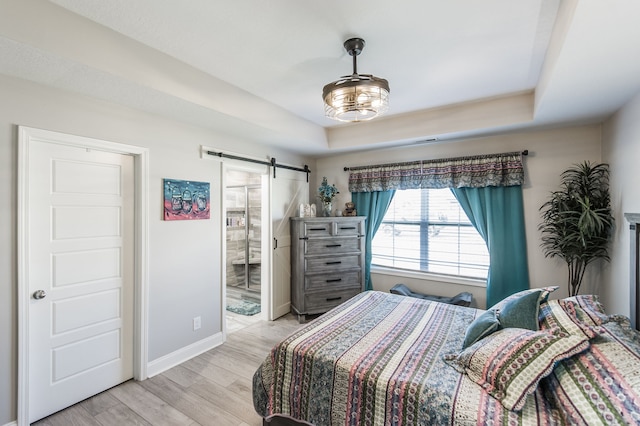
column 326, row 192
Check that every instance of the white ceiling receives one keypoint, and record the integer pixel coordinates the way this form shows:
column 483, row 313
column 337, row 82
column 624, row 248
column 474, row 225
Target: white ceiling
column 255, row 68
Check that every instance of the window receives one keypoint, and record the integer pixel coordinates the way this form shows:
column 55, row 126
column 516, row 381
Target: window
column 427, row 230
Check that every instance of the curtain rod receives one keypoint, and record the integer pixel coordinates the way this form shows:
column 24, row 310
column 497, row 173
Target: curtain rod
column 346, row 169
column 271, row 163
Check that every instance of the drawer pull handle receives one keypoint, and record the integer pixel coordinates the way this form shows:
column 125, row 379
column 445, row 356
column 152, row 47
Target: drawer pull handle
column 317, row 229
column 333, row 245
column 332, row 299
column 347, row 227
column 335, row 262
column 334, row 280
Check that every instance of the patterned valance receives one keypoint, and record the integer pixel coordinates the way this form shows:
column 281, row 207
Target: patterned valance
column 474, row 172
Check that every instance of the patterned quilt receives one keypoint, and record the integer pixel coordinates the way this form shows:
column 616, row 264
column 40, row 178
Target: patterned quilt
column 377, row 360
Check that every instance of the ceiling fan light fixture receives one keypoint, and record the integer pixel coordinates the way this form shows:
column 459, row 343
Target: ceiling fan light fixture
column 356, row 97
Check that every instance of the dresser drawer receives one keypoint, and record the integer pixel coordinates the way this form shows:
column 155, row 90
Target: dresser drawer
column 322, row 229
column 336, row 281
column 332, row 263
column 326, row 300
column 332, row 228
column 332, row 245
column 349, row 229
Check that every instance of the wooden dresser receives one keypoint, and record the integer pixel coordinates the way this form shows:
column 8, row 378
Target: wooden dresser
column 327, row 262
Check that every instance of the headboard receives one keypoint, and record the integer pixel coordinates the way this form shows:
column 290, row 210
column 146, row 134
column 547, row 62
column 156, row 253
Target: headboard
column 634, row 273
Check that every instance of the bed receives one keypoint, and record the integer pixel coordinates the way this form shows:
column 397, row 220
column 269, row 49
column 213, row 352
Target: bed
column 385, row 359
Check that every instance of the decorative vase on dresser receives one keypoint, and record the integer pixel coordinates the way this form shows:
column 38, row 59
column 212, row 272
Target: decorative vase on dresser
column 327, row 262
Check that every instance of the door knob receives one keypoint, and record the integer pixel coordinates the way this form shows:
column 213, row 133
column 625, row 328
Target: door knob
column 39, row 294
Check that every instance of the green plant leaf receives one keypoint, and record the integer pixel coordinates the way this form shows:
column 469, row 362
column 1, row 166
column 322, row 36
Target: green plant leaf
column 577, row 221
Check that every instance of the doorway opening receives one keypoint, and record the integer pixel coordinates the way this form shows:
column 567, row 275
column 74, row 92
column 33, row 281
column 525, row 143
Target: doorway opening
column 244, row 212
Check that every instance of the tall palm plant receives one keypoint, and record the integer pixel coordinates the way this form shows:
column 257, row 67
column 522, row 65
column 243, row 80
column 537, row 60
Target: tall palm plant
column 577, row 220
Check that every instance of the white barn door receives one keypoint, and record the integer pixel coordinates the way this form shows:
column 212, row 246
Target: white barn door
column 79, row 272
column 288, row 190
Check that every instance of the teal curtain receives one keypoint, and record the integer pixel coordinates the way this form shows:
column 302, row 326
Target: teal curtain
column 497, row 213
column 373, row 205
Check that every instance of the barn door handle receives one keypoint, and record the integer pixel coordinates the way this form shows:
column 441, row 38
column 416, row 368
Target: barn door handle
column 39, row 294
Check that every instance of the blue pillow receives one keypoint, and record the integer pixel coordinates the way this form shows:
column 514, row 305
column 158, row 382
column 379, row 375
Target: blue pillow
column 542, row 291
column 480, row 328
column 521, row 312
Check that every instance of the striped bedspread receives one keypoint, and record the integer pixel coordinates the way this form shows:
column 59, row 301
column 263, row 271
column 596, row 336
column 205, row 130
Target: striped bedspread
column 377, row 360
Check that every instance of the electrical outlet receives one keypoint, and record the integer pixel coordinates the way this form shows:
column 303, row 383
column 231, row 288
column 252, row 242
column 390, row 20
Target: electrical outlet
column 197, row 323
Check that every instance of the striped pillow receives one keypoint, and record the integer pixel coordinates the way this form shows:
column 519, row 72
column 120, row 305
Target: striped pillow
column 566, row 317
column 509, row 363
column 601, row 385
column 592, row 312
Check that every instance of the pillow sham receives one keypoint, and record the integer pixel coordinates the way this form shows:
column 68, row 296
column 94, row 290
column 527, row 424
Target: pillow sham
column 600, row 386
column 593, row 312
column 480, row 328
column 510, row 363
column 565, row 317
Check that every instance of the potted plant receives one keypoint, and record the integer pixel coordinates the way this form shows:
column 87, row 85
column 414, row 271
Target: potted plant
column 577, row 220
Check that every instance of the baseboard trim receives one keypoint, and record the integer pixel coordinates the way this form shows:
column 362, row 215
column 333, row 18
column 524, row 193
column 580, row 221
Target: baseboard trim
column 168, row 361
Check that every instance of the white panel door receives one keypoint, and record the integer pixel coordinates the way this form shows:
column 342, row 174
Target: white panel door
column 80, row 255
column 288, row 190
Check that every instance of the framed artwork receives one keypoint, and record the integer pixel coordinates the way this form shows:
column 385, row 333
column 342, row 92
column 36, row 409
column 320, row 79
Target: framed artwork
column 186, row 200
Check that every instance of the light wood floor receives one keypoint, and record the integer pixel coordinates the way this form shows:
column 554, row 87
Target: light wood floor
column 211, row 389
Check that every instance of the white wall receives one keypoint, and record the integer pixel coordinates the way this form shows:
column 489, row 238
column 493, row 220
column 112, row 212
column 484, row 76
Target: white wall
column 184, row 256
column 621, row 149
column 550, row 153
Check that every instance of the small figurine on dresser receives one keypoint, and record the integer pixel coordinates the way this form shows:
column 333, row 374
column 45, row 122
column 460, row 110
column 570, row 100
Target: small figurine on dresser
column 350, row 209
column 307, row 210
